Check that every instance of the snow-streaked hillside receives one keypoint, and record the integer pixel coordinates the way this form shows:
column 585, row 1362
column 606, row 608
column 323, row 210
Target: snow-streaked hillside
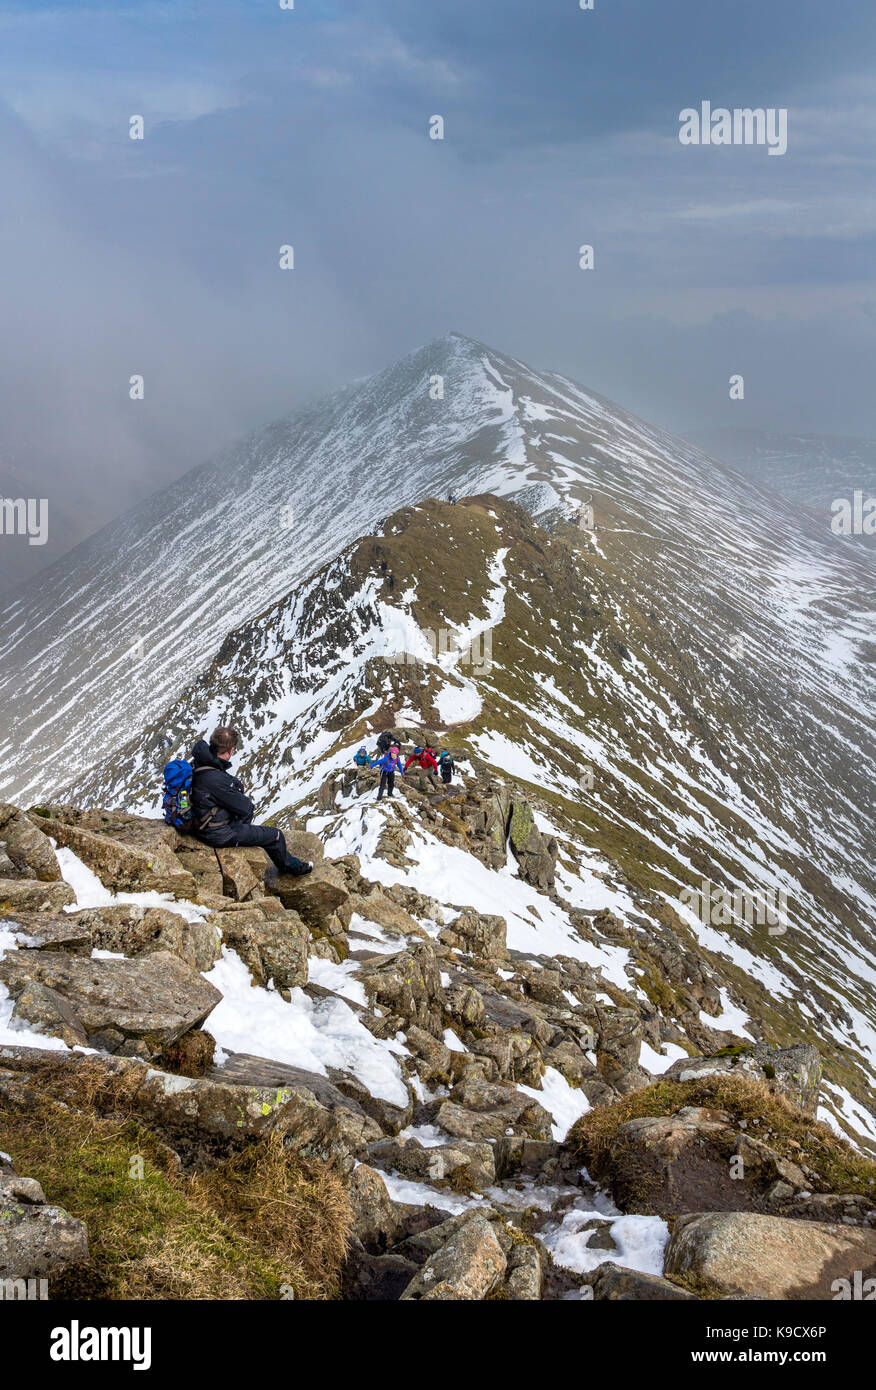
column 106, row 639
column 662, row 752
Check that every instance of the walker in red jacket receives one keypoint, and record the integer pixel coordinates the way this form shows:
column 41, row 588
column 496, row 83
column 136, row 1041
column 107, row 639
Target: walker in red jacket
column 424, row 758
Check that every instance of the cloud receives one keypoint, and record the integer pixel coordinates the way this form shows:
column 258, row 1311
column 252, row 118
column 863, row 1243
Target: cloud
column 310, row 127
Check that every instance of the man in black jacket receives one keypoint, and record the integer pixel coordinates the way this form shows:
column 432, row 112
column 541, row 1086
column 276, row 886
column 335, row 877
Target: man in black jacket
column 222, row 813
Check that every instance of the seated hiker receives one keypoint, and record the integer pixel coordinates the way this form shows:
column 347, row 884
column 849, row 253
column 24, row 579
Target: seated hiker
column 445, row 767
column 389, row 764
column 221, row 812
column 361, row 758
column 385, row 741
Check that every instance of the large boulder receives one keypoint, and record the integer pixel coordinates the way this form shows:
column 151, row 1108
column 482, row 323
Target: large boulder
column 36, row 1240
column 29, row 851
column 271, row 949
column 677, row 1163
column 33, row 895
column 408, row 985
column 143, row 861
column 479, row 934
column 768, row 1256
column 129, row 929
column 462, row 1165
column 314, row 896
column 470, row 1265
column 486, row 1110
column 794, row 1072
column 154, row 998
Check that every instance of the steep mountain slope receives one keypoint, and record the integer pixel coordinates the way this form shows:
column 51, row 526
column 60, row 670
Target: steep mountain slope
column 729, row 742
column 106, row 638
column 810, row 469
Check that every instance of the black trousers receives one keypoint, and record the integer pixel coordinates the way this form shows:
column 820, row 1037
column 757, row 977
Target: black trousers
column 268, row 837
column 447, row 775
column 387, row 779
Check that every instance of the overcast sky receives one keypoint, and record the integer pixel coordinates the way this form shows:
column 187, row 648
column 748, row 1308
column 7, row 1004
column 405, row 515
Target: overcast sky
column 266, row 126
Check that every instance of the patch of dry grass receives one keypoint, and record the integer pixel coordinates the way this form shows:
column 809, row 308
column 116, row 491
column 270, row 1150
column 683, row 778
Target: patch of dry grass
column 767, row 1115
column 260, row 1225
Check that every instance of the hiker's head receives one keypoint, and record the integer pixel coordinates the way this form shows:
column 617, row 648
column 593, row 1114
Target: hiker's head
column 224, row 742
column 418, row 750
column 394, row 750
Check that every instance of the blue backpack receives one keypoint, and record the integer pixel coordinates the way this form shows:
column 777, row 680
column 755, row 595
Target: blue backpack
column 177, row 803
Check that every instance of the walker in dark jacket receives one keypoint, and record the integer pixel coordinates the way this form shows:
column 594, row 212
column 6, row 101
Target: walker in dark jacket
column 223, row 813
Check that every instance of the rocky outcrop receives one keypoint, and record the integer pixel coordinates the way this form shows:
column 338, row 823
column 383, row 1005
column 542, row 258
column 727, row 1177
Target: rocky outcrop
column 128, row 853
column 129, row 929
column 315, row 896
column 272, row 949
column 794, row 1072
column 478, row 934
column 33, row 895
column 465, row 1166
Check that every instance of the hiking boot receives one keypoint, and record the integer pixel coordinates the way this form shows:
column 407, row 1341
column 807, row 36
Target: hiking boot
column 304, row 867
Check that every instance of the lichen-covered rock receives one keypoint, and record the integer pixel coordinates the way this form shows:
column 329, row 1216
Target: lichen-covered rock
column 525, row 1273
column 376, row 1222
column 618, row 1044
column 246, row 1098
column 240, row 879
column 33, row 895
column 36, row 1240
column 314, row 896
column 28, row 849
column 482, row 1110
column 271, row 949
column 470, row 1265
column 433, row 1056
column 37, row 931
column 407, row 984
column 154, row 998
column 129, row 929
column 43, row 1010
column 142, row 862
column 479, row 934
column 614, row 1283
column 769, row 1256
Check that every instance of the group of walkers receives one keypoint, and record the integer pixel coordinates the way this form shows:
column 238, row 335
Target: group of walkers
column 388, row 759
